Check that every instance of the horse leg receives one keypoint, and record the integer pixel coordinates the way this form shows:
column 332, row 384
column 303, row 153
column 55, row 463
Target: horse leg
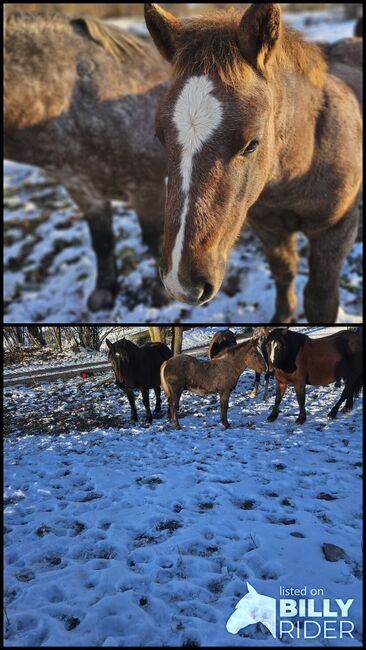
column 345, row 395
column 266, row 383
column 174, row 406
column 158, row 399
column 327, row 254
column 131, row 399
column 146, row 401
column 98, row 215
column 281, row 253
column 224, row 404
column 280, row 391
column 149, row 203
column 254, row 392
column 300, row 394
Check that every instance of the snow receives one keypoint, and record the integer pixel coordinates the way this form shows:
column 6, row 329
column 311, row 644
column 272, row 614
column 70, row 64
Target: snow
column 50, row 267
column 119, row 534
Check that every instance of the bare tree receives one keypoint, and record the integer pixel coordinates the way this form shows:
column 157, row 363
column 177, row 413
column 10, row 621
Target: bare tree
column 177, row 340
column 36, row 335
column 157, row 335
column 58, row 337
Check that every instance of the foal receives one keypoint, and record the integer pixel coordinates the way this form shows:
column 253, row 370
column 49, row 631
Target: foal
column 204, row 377
column 299, row 360
column 79, row 101
column 138, row 367
column 258, row 126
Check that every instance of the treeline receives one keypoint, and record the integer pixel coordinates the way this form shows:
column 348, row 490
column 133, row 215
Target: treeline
column 21, row 338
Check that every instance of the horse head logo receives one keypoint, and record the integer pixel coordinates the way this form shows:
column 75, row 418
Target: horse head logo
column 253, row 608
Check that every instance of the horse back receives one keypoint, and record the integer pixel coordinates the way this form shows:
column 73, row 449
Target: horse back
column 345, row 59
column 324, row 360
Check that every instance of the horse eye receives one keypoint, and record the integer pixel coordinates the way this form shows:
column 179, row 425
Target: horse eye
column 254, row 144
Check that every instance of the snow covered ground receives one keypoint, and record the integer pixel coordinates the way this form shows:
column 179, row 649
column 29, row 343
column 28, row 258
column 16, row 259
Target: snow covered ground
column 121, row 535
column 50, row 266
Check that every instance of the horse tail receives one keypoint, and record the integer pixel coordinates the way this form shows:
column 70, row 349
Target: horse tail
column 357, row 386
column 163, row 379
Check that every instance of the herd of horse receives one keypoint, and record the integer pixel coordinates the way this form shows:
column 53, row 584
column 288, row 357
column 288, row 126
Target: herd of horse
column 294, row 359
column 249, row 122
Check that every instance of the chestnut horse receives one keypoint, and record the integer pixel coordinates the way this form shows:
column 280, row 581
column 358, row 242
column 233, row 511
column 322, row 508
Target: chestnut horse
column 220, row 375
column 257, row 128
column 79, row 101
column 299, row 360
column 138, row 367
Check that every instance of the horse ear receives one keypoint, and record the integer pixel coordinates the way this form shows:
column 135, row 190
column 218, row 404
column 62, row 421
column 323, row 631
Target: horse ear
column 251, row 589
column 163, row 27
column 110, row 345
column 259, row 33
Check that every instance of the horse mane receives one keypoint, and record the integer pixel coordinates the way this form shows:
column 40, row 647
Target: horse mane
column 115, row 41
column 231, row 351
column 120, row 44
column 209, row 45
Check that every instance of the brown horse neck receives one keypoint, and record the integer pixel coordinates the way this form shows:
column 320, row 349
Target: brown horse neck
column 237, row 356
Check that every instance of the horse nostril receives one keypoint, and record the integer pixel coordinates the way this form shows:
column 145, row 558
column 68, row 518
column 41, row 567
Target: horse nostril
column 207, row 292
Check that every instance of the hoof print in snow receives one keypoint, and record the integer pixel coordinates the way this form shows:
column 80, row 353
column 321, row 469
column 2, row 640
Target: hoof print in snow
column 248, row 504
column 77, row 527
column 25, row 577
column 177, row 507
column 215, row 587
column 206, row 505
column 296, row 534
column 171, row 526
column 324, row 496
column 71, row 622
column 143, row 601
column 333, row 553
column 43, row 530
column 150, row 480
column 143, row 539
column 105, row 525
column 287, row 502
column 52, row 560
column 190, row 643
column 91, row 496
column 271, row 494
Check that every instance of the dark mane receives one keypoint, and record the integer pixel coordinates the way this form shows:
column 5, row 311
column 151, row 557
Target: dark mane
column 209, row 45
column 231, row 351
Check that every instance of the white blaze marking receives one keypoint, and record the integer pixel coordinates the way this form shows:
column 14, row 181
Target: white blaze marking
column 197, row 115
column 274, row 345
column 262, row 355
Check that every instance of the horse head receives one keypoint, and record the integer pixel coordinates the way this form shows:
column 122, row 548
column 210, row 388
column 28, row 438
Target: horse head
column 253, row 608
column 216, row 124
column 276, row 347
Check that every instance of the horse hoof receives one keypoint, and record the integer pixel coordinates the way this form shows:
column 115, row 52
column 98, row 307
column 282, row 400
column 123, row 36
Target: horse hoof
column 272, row 418
column 332, row 415
column 101, row 299
column 301, row 419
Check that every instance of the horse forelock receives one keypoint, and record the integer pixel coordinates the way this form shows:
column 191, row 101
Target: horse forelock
column 209, row 46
